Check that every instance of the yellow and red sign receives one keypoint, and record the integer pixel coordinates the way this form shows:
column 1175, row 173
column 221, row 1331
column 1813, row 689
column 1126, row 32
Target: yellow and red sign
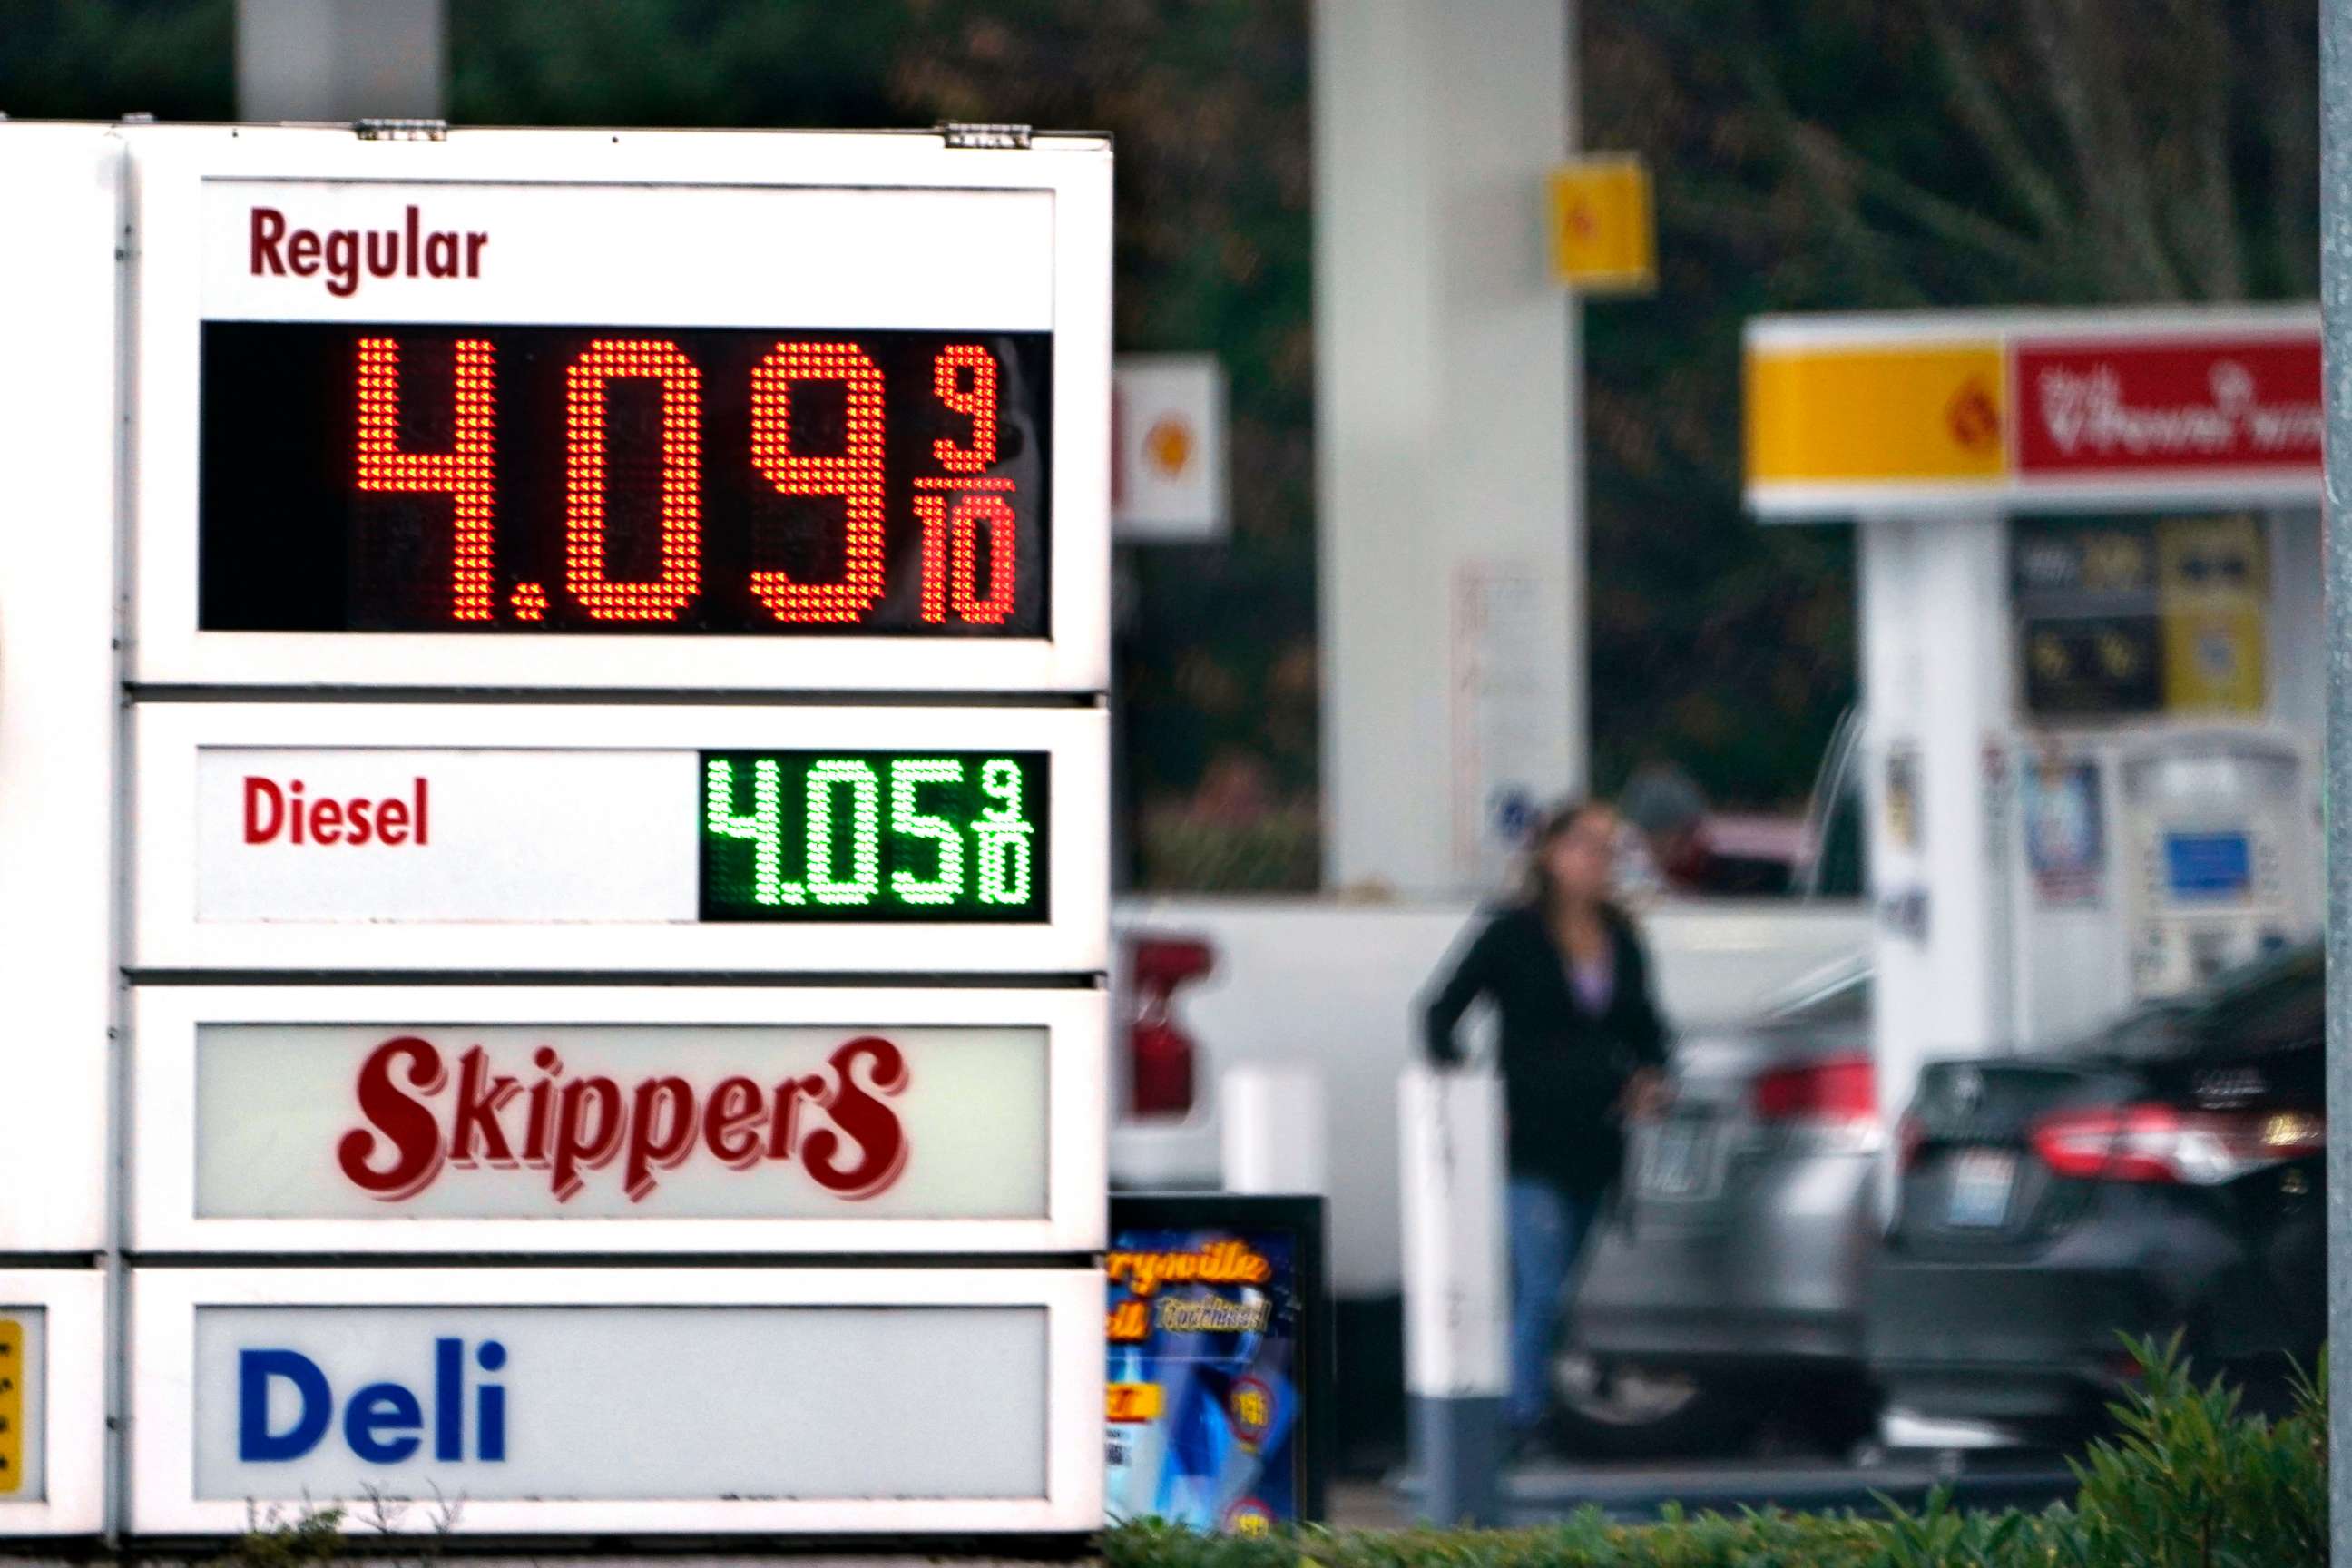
column 1883, row 415
column 1604, row 227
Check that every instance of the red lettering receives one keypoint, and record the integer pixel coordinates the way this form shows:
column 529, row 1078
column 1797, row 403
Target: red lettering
column 423, row 836
column 854, row 475
column 542, row 1100
column 576, row 1149
column 391, row 822
column 649, row 1149
column 342, row 263
column 474, row 1124
column 355, row 818
column 599, row 365
column 302, row 252
column 268, row 228
column 464, row 473
column 261, row 794
column 576, row 1125
column 473, row 242
column 326, row 823
column 863, row 1120
column 736, row 1108
column 401, row 1120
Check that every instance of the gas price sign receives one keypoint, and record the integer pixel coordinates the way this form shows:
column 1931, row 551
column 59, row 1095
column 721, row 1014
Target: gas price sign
column 875, row 835
column 521, row 479
column 288, row 834
column 755, row 414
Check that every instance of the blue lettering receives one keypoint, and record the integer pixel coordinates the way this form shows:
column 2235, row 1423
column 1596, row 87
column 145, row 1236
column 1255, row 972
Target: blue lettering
column 448, row 1400
column 383, row 1423
column 378, row 1410
column 256, row 1444
column 491, row 1431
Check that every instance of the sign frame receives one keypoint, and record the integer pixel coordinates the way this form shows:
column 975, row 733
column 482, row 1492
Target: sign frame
column 74, row 1402
column 171, row 167
column 168, row 937
column 166, row 1301
column 165, row 1020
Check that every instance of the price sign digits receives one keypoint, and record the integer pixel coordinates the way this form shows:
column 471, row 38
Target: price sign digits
column 874, row 835
column 522, row 479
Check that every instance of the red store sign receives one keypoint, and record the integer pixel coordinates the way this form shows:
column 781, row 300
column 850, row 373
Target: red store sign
column 2126, row 409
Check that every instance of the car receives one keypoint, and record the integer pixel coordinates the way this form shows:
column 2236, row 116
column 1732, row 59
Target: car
column 2164, row 1174
column 1726, row 1282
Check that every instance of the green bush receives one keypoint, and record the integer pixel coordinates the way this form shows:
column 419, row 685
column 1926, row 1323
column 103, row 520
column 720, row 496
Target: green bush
column 2186, row 1481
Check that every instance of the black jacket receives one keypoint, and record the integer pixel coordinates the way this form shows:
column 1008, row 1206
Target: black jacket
column 1563, row 1069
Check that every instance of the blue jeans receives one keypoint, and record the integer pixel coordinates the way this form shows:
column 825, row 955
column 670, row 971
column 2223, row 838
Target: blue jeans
column 1547, row 1227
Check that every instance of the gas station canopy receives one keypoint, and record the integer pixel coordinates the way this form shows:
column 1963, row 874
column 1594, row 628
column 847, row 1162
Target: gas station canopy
column 1881, row 416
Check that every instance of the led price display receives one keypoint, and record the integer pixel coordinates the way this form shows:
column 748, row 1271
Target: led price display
column 453, row 478
column 875, row 835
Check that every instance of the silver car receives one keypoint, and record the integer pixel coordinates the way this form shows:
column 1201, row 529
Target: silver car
column 1727, row 1284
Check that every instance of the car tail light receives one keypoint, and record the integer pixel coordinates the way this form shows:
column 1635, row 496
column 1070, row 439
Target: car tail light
column 1159, row 1053
column 2161, row 1144
column 1832, row 1104
column 1839, row 1089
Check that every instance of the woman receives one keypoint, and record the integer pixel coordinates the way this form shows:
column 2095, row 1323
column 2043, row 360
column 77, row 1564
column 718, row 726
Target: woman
column 1581, row 1047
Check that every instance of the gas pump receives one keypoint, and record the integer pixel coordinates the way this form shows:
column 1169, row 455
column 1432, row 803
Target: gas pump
column 2092, row 637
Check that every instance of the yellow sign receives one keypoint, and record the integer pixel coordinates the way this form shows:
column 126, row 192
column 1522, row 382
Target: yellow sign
column 1129, row 1402
column 12, row 1404
column 2212, row 586
column 1603, row 228
column 1877, row 414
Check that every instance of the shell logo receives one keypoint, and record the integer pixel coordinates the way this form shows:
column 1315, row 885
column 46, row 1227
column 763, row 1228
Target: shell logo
column 1974, row 417
column 1168, row 445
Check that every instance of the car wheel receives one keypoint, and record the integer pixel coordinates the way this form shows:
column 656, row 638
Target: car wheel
column 1840, row 1414
column 1623, row 1410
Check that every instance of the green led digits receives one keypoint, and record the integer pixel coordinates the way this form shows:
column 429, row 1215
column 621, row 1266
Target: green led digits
column 960, row 839
column 1003, row 835
column 945, row 884
column 865, row 878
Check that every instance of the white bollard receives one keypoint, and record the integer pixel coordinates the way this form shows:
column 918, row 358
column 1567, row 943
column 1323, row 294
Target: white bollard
column 1271, row 1122
column 1456, row 1289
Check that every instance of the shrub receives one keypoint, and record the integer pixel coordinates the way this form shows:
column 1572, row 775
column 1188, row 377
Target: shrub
column 2186, row 1481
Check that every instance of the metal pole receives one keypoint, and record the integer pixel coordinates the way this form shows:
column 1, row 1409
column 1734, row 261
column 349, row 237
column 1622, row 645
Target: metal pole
column 1455, row 1290
column 2335, row 334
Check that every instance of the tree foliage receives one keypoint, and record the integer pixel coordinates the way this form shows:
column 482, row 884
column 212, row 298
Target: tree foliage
column 1859, row 154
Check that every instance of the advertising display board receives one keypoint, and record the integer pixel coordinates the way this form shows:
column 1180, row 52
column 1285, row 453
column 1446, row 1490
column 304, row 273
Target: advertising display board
column 584, row 410
column 554, row 717
column 593, row 1119
column 1219, row 1374
column 52, row 1401
column 478, row 837
column 715, row 1401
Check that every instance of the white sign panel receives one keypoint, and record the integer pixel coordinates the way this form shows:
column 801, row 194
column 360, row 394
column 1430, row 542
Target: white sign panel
column 391, row 411
column 593, row 1119
column 541, row 1400
column 1169, row 479
column 643, row 840
column 52, row 1401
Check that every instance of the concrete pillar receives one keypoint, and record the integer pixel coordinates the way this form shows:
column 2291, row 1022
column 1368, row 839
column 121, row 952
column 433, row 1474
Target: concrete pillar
column 340, row 59
column 1935, row 642
column 1450, row 536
